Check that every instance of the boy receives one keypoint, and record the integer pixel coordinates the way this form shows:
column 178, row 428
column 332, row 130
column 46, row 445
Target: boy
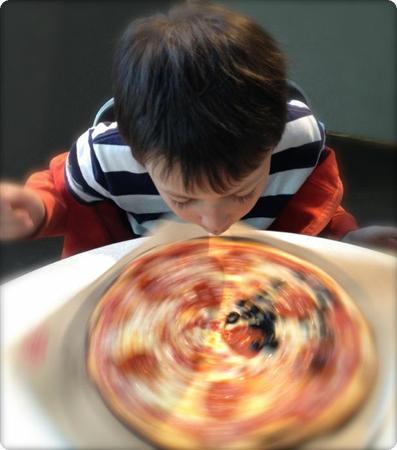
column 204, row 133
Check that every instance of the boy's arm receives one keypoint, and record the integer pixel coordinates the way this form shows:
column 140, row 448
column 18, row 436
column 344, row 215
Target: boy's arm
column 316, row 208
column 49, row 185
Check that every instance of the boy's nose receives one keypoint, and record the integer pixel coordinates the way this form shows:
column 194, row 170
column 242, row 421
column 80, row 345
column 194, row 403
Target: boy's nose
column 215, row 224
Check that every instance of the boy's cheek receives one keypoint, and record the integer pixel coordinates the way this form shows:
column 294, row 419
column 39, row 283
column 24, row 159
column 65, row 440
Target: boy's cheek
column 187, row 216
column 182, row 214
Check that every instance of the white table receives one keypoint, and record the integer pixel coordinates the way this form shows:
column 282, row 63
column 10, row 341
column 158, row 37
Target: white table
column 27, row 300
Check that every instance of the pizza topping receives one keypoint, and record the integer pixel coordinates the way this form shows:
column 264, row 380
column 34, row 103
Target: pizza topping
column 324, row 297
column 262, row 295
column 272, row 343
column 143, row 365
column 154, row 287
column 266, row 324
column 261, row 324
column 262, row 319
column 319, row 361
column 269, row 315
column 239, row 339
column 257, row 345
column 277, row 283
column 190, row 360
column 300, row 275
column 206, row 295
column 222, row 399
column 246, row 315
column 232, row 317
column 257, row 319
column 241, row 303
column 270, row 340
column 322, row 327
column 254, row 310
column 322, row 355
column 294, row 302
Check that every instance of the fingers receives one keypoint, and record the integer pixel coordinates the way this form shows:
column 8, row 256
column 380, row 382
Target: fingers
column 375, row 237
column 14, row 223
column 15, row 218
column 388, row 243
column 390, row 232
column 383, row 237
column 13, row 194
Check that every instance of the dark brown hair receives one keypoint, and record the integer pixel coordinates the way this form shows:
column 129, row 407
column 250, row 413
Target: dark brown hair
column 203, row 88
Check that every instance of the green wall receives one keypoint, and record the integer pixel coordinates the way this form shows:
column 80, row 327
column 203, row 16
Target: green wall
column 343, row 54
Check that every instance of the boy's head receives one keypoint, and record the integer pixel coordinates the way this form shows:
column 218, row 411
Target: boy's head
column 200, row 96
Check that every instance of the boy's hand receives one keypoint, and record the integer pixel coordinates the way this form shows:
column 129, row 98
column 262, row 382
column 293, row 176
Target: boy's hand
column 375, row 237
column 21, row 211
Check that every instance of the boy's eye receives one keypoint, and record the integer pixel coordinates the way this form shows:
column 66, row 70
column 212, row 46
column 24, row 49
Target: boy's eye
column 243, row 198
column 240, row 199
column 181, row 205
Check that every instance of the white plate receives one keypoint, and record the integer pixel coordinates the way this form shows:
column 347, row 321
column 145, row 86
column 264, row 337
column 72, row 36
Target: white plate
column 65, row 394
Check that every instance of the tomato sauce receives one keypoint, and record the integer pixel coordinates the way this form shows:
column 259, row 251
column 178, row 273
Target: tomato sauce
column 241, row 338
column 222, row 399
column 143, row 365
column 293, row 302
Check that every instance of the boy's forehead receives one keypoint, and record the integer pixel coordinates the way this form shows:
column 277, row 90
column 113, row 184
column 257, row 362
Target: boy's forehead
column 172, row 181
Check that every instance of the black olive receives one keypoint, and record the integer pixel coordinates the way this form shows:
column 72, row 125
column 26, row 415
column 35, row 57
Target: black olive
column 276, row 284
column 267, row 326
column 322, row 300
column 241, row 303
column 232, row 317
column 318, row 361
column 324, row 297
column 256, row 346
column 246, row 315
column 300, row 275
column 269, row 315
column 254, row 309
column 261, row 297
column 322, row 325
column 257, row 320
column 327, row 292
column 273, row 343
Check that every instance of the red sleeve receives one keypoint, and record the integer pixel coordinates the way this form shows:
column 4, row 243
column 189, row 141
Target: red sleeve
column 50, row 185
column 341, row 223
column 316, row 208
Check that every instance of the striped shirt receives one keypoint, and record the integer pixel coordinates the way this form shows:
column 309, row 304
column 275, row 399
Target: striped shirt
column 100, row 166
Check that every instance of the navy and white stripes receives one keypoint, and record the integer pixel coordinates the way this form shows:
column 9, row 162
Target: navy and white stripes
column 101, row 166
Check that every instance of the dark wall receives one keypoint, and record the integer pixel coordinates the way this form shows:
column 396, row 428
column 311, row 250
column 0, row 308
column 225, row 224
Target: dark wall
column 344, row 53
column 56, row 59
column 55, row 73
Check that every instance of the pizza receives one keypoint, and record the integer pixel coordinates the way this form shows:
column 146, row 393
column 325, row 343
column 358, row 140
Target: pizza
column 227, row 343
